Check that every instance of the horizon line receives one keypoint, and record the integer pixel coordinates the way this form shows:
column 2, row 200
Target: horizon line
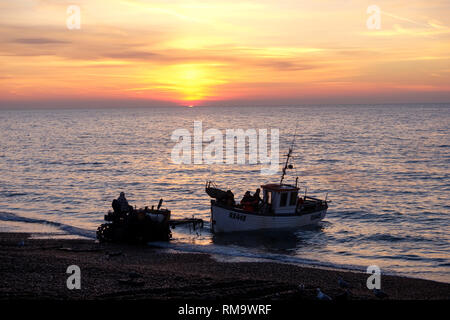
column 193, row 106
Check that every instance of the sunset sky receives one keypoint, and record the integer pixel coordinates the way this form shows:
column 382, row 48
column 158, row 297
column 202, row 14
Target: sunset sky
column 175, row 52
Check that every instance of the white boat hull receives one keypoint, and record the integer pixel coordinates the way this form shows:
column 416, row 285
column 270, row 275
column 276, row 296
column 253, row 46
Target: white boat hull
column 229, row 220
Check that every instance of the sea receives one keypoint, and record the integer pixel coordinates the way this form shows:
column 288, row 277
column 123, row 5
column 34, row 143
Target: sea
column 383, row 168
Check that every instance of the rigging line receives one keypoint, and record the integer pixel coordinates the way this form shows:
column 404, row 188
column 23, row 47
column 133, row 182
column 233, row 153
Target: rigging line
column 288, row 160
column 295, row 167
column 295, row 134
column 292, row 146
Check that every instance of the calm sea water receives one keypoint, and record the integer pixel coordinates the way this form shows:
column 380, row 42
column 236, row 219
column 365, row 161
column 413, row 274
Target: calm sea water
column 385, row 168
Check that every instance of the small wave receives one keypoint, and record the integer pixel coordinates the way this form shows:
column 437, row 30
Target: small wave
column 349, row 213
column 9, row 194
column 50, row 163
column 400, row 257
column 385, row 237
column 447, row 264
column 362, row 215
column 7, row 216
column 328, row 160
column 418, row 161
column 95, row 163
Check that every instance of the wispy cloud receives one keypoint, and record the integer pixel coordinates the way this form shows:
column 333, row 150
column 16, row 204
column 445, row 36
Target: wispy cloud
column 38, row 41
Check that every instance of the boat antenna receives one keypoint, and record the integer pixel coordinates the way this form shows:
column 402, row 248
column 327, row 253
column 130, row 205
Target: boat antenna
column 288, row 156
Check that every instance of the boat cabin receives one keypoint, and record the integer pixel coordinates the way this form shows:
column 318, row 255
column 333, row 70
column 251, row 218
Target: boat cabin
column 282, row 198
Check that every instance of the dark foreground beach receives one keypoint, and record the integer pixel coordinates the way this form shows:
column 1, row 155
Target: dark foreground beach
column 36, row 269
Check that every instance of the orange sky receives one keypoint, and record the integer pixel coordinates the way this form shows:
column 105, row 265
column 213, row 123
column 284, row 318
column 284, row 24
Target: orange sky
column 210, row 52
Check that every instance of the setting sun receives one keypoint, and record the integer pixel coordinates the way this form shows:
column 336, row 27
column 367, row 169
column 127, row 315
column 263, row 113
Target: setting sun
column 190, row 82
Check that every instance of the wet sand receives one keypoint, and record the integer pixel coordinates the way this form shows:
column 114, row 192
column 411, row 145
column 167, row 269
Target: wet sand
column 36, row 269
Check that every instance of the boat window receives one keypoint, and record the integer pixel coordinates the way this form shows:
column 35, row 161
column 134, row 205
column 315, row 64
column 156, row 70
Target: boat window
column 283, row 199
column 293, row 199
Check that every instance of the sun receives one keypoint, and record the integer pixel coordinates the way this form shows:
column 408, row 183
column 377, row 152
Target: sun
column 190, row 82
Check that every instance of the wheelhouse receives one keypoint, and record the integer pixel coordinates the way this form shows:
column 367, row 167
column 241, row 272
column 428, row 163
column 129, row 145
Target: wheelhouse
column 281, row 198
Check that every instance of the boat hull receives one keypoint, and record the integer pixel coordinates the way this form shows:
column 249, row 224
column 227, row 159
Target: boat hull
column 229, row 220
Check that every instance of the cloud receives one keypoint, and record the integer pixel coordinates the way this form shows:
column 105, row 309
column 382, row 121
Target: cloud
column 284, row 65
column 133, row 55
column 39, row 41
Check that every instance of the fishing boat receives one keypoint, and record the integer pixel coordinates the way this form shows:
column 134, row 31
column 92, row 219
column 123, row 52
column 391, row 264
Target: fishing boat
column 281, row 207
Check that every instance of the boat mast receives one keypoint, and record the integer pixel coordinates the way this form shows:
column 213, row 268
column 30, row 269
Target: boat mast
column 286, row 165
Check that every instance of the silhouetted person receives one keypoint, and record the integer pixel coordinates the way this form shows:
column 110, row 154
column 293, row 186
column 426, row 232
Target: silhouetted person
column 123, row 203
column 230, row 199
column 247, row 198
column 257, row 195
column 257, row 199
column 116, row 206
column 247, row 202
